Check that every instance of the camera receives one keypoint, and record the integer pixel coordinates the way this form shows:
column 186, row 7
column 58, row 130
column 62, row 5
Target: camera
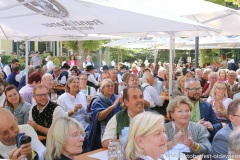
column 22, row 139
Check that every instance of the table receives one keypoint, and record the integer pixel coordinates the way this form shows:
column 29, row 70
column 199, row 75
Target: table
column 61, row 88
column 42, row 138
column 84, row 156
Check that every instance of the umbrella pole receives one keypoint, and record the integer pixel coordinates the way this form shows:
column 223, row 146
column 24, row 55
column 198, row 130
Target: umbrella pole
column 26, row 60
column 196, row 51
column 172, row 41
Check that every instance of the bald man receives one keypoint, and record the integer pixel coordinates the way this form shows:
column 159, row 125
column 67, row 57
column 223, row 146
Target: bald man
column 9, row 129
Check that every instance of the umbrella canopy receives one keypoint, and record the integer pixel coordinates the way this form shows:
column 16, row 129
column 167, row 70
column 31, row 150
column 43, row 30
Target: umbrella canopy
column 225, row 19
column 146, row 42
column 224, row 42
column 31, row 19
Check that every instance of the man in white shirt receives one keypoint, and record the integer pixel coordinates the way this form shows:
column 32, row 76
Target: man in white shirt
column 42, row 115
column 2, row 94
column 9, row 67
column 49, row 63
column 148, row 82
column 133, row 99
column 88, row 62
column 91, row 77
column 9, row 128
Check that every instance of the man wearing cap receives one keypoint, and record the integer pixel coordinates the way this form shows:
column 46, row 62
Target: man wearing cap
column 105, row 68
column 36, row 60
column 124, row 69
column 74, row 71
column 59, row 78
column 91, row 77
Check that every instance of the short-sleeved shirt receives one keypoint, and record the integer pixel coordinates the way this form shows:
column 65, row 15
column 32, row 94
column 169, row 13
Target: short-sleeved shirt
column 36, row 61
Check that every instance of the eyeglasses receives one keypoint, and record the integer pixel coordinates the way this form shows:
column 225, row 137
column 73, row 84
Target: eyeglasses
column 41, row 95
column 77, row 135
column 221, row 88
column 235, row 115
column 83, row 79
column 195, row 89
column 108, row 86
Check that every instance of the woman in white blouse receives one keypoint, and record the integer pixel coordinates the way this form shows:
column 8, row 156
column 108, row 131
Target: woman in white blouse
column 74, row 102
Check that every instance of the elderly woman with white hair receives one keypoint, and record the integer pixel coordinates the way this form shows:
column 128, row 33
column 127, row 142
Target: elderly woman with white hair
column 65, row 139
column 212, row 79
column 147, row 139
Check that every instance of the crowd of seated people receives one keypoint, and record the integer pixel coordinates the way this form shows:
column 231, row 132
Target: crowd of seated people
column 91, row 110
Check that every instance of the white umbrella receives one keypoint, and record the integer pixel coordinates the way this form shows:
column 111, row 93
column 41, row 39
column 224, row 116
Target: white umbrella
column 226, row 42
column 42, row 18
column 78, row 18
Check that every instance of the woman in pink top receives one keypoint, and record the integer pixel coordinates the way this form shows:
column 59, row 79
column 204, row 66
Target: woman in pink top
column 72, row 62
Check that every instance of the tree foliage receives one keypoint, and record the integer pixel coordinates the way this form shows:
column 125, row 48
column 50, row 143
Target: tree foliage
column 71, row 45
column 229, row 3
column 90, row 46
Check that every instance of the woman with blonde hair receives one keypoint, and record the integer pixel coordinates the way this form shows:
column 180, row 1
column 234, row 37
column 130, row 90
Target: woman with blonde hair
column 222, row 73
column 146, row 137
column 74, row 102
column 178, row 91
column 183, row 135
column 219, row 100
column 64, row 140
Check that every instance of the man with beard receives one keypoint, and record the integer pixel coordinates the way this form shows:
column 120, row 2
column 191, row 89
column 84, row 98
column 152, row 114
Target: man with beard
column 202, row 112
column 133, row 99
column 42, row 115
column 2, row 94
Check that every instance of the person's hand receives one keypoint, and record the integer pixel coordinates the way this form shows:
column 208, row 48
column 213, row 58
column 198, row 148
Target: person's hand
column 117, row 101
column 32, row 123
column 206, row 124
column 220, row 105
column 188, row 140
column 201, row 121
column 77, row 107
column 15, row 154
column 89, row 98
column 162, row 99
column 177, row 137
column 211, row 102
column 26, row 150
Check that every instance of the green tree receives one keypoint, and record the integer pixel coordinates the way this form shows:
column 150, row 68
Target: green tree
column 229, row 3
column 71, row 45
column 207, row 55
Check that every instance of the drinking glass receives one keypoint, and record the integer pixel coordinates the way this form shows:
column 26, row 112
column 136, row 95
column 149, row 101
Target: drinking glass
column 54, row 97
column 114, row 150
